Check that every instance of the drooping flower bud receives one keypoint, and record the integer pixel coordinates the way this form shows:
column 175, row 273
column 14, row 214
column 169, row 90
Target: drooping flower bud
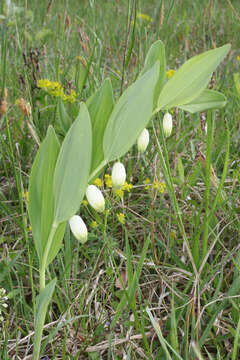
column 143, row 140
column 78, row 228
column 95, row 198
column 118, row 175
column 167, row 124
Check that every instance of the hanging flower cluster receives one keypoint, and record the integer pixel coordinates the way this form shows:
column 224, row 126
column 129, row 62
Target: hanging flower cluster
column 117, row 182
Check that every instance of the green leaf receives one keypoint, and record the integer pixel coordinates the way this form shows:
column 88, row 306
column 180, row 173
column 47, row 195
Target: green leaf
column 73, row 166
column 64, row 119
column 156, row 53
column 161, row 338
column 129, row 294
column 180, row 169
column 81, row 76
column 56, row 243
column 100, row 106
column 130, row 115
column 191, row 79
column 236, row 78
column 236, row 342
column 208, row 99
column 233, row 290
column 41, row 310
column 41, row 201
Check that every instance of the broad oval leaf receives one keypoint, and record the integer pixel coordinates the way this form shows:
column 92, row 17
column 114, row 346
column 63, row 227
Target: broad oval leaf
column 208, row 99
column 41, row 200
column 156, row 53
column 130, row 115
column 100, row 106
column 72, row 167
column 191, row 79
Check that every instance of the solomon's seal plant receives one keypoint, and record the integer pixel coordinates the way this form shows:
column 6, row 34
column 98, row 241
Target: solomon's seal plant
column 102, row 132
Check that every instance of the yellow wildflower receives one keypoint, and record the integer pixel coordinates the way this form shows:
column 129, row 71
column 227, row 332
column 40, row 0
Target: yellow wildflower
column 94, row 224
column 170, row 73
column 160, row 186
column 119, row 192
column 238, row 58
column 108, row 180
column 144, row 17
column 128, row 187
column 54, row 88
column 147, row 182
column 121, row 218
column 71, row 97
column 29, row 228
column 98, row 182
column 85, row 203
column 43, row 83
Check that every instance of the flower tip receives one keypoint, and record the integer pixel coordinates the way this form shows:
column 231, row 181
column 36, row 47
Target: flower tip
column 118, row 175
column 167, row 124
column 143, row 141
column 78, row 228
column 95, row 198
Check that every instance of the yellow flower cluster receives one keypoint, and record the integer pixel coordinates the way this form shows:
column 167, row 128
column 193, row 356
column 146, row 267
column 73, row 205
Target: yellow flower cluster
column 54, row 88
column 126, row 187
column 108, row 180
column 238, row 58
column 98, row 182
column 121, row 218
column 147, row 182
column 85, row 203
column 170, row 73
column 94, row 224
column 159, row 185
column 26, row 196
column 144, row 17
column 119, row 192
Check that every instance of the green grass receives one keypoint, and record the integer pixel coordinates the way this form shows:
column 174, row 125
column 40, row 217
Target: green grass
column 164, row 285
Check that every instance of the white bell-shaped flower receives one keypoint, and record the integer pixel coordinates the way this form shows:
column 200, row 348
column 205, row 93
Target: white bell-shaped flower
column 143, row 141
column 118, row 175
column 167, row 124
column 78, row 228
column 95, row 198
